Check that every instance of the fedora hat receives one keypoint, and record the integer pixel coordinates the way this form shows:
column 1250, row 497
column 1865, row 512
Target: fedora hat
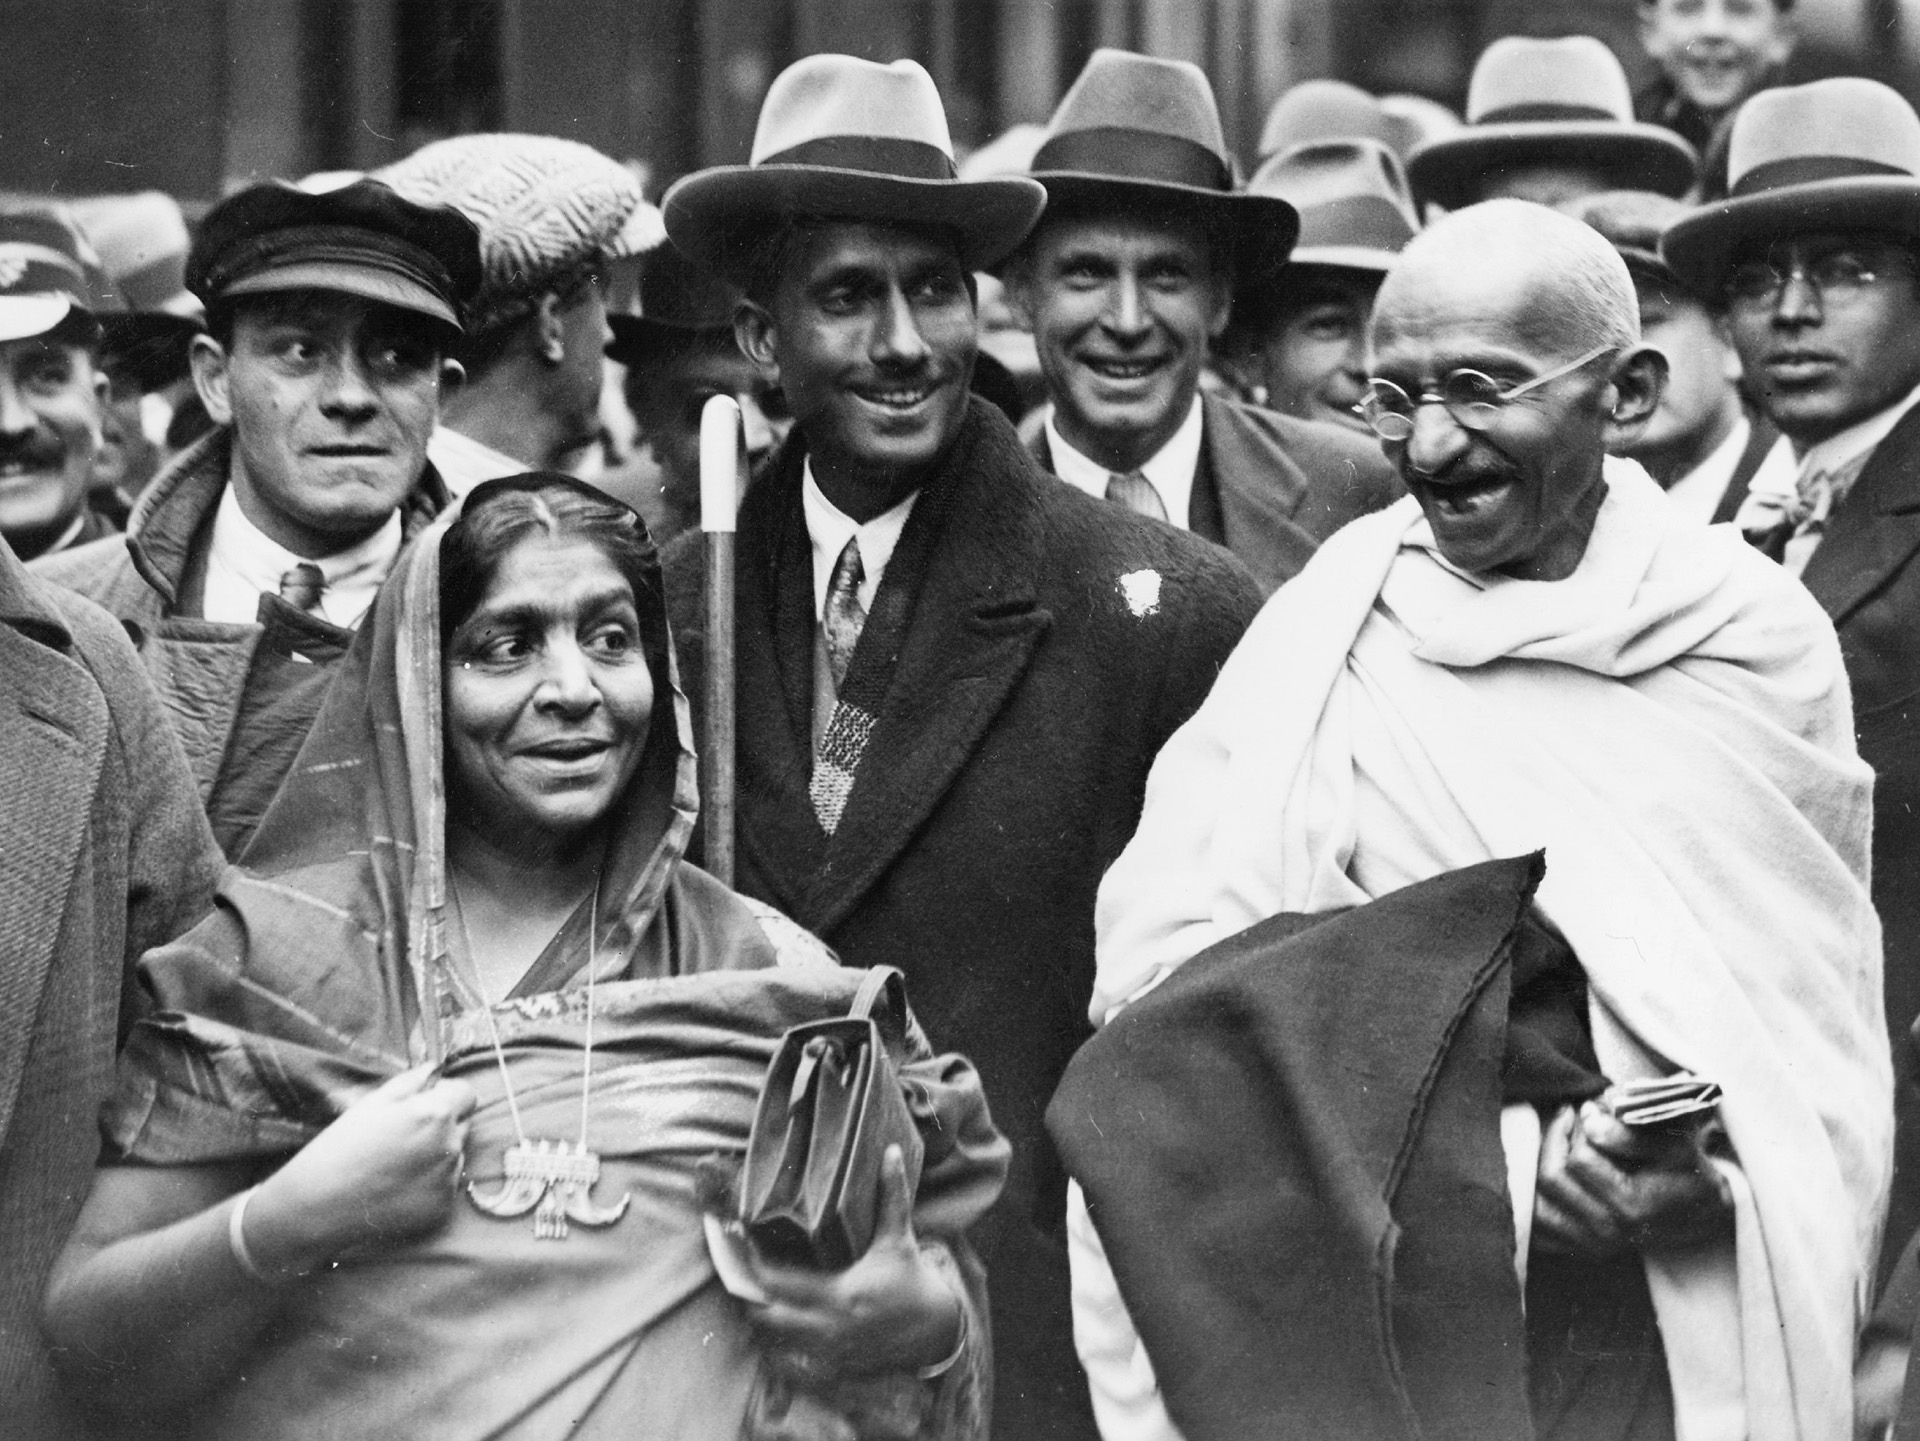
column 1550, row 102
column 846, row 139
column 1325, row 110
column 1840, row 154
column 1133, row 130
column 1355, row 208
column 678, row 300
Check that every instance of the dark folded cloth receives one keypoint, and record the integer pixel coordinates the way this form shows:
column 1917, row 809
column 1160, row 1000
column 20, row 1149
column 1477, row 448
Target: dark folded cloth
column 1292, row 1151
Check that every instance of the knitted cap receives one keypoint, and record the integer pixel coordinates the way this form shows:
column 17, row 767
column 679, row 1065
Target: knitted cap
column 548, row 210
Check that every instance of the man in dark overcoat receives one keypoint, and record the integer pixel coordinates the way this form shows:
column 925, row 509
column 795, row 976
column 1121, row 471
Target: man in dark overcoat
column 1126, row 282
column 954, row 672
column 1823, row 294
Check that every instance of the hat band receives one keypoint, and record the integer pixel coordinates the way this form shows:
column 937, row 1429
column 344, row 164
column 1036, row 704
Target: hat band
column 1544, row 110
column 877, row 154
column 329, row 245
column 1806, row 169
column 1142, row 155
column 1370, row 221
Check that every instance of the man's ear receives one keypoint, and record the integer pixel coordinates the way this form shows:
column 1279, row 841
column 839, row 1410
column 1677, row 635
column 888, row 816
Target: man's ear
column 1731, row 370
column 1639, row 376
column 453, row 375
column 757, row 334
column 1222, row 305
column 549, row 334
column 209, row 361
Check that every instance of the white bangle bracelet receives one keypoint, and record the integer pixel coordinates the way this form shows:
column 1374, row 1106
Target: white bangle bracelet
column 237, row 1240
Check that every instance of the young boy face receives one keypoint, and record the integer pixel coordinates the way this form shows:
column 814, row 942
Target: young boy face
column 1717, row 52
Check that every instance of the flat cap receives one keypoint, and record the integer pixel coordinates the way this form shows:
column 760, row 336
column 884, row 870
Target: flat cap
column 549, row 211
column 361, row 239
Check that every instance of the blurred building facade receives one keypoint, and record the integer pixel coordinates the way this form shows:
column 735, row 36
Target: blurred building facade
column 196, row 96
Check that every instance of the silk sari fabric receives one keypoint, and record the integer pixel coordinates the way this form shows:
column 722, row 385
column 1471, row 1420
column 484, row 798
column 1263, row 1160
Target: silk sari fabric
column 324, row 969
column 1671, row 725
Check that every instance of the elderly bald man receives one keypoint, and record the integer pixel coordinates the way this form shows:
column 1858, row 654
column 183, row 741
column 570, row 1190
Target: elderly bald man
column 1526, row 794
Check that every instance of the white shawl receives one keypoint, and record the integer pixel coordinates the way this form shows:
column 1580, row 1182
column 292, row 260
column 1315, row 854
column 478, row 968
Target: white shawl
column 1671, row 724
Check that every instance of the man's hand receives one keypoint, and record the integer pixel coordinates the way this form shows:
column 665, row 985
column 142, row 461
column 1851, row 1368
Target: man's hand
column 1606, row 1188
column 894, row 1309
column 383, row 1172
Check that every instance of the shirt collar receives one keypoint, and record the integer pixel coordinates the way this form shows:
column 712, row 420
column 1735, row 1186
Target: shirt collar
column 245, row 561
column 1838, row 451
column 1170, row 470
column 829, row 529
column 1697, row 493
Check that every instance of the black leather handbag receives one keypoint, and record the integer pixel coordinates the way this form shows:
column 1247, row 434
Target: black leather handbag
column 828, row 1110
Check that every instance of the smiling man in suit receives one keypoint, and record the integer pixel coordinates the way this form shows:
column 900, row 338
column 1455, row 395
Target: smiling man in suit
column 1126, row 283
column 1815, row 252
column 954, row 671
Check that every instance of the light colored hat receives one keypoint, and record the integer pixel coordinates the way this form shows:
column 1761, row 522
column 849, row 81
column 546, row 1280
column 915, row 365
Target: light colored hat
column 48, row 273
column 1840, row 154
column 1135, row 129
column 841, row 138
column 142, row 242
column 1355, row 208
column 1550, row 102
column 1325, row 110
column 549, row 211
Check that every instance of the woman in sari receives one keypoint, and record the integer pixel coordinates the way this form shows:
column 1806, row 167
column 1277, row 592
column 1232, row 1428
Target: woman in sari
column 466, row 976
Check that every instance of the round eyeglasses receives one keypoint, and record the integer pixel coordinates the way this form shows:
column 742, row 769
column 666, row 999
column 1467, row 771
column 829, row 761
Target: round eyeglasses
column 1838, row 275
column 1473, row 398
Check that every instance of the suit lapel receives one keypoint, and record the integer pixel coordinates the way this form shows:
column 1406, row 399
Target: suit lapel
column 53, row 734
column 974, row 627
column 1875, row 530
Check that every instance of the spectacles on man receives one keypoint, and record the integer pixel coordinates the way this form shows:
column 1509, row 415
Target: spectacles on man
column 1836, row 275
column 1473, row 398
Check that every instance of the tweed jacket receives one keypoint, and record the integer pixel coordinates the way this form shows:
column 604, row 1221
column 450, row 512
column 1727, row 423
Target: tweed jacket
column 200, row 667
column 1270, row 487
column 1866, row 575
column 1055, row 643
column 105, row 853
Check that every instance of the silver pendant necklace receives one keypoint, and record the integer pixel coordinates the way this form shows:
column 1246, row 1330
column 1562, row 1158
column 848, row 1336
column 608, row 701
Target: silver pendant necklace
column 553, row 1179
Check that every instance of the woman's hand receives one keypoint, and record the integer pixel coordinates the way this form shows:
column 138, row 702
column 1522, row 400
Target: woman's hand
column 383, row 1172
column 894, row 1309
column 1606, row 1188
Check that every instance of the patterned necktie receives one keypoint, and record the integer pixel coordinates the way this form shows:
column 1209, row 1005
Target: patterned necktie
column 843, row 618
column 302, row 586
column 1136, row 493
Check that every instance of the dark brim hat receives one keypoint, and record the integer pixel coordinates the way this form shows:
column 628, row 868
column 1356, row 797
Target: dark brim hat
column 846, row 139
column 150, row 347
column 361, row 239
column 1632, row 221
column 678, row 300
column 48, row 274
column 1562, row 102
column 1839, row 154
column 1138, row 132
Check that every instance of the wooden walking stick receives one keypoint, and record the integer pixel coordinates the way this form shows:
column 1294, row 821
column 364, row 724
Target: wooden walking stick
column 721, row 459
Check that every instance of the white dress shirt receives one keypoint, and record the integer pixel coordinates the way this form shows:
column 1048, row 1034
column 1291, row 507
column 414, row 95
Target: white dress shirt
column 829, row 529
column 1170, row 471
column 245, row 563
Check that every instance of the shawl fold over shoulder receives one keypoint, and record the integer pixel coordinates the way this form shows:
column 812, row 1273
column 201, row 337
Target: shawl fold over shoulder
column 1671, row 726
column 1293, row 1154
column 323, row 970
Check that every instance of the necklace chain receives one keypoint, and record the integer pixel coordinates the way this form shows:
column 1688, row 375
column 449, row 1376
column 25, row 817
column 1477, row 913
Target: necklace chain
column 493, row 1025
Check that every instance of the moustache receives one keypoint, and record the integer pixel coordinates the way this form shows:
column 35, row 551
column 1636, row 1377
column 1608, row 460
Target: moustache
column 32, row 452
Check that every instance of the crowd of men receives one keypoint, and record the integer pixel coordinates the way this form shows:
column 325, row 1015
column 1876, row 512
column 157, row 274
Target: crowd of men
column 1443, row 650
